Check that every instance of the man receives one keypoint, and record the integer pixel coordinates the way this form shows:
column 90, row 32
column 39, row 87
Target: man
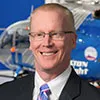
column 52, row 38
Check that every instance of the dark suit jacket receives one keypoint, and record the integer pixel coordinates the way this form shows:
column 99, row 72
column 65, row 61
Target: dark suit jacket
column 75, row 89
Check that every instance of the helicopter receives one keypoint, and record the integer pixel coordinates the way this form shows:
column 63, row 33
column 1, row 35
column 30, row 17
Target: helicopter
column 85, row 59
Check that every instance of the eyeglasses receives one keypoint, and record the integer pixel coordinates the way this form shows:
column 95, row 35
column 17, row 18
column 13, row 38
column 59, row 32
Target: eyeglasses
column 60, row 35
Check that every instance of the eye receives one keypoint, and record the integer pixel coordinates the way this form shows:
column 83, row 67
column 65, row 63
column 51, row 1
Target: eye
column 39, row 34
column 54, row 34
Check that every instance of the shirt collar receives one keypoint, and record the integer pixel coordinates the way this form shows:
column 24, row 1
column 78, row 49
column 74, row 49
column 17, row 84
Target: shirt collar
column 59, row 82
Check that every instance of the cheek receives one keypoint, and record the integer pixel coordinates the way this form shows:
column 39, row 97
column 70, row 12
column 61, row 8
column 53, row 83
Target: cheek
column 33, row 46
column 66, row 48
column 61, row 47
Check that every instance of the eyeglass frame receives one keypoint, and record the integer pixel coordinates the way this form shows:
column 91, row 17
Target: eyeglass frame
column 50, row 34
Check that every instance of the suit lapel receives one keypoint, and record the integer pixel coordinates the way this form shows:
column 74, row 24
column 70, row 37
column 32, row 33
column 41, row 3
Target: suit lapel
column 72, row 87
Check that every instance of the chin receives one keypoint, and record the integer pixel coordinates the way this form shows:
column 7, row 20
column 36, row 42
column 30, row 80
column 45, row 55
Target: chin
column 47, row 66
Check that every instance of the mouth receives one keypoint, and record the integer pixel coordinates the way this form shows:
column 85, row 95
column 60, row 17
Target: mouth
column 48, row 53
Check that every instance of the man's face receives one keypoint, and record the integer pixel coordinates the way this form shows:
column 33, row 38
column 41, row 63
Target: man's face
column 51, row 54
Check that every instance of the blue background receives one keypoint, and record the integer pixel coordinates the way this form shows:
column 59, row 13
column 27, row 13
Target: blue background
column 14, row 10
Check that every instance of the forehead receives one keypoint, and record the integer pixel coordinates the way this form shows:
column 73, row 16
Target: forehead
column 50, row 19
column 55, row 18
column 49, row 16
column 47, row 13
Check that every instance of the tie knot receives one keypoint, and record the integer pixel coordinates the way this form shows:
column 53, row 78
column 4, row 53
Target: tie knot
column 44, row 92
column 45, row 88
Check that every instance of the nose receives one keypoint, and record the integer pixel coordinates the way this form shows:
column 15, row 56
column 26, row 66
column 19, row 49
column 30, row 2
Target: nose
column 47, row 41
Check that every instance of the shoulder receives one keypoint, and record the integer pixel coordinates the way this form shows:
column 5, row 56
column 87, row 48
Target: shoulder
column 20, row 81
column 85, row 85
column 22, row 85
column 89, row 91
column 85, row 89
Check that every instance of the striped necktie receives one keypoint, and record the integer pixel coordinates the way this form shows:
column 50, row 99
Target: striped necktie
column 44, row 92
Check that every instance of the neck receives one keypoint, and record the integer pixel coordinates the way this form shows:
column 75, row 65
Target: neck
column 48, row 75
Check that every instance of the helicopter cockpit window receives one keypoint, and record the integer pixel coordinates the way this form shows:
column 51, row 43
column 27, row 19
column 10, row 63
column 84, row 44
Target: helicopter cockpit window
column 22, row 38
column 19, row 39
column 6, row 41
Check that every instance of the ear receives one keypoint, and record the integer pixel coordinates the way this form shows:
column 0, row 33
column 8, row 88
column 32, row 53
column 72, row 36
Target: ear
column 74, row 37
column 30, row 44
column 30, row 48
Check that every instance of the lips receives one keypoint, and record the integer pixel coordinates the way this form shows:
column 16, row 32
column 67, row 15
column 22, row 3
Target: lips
column 48, row 53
